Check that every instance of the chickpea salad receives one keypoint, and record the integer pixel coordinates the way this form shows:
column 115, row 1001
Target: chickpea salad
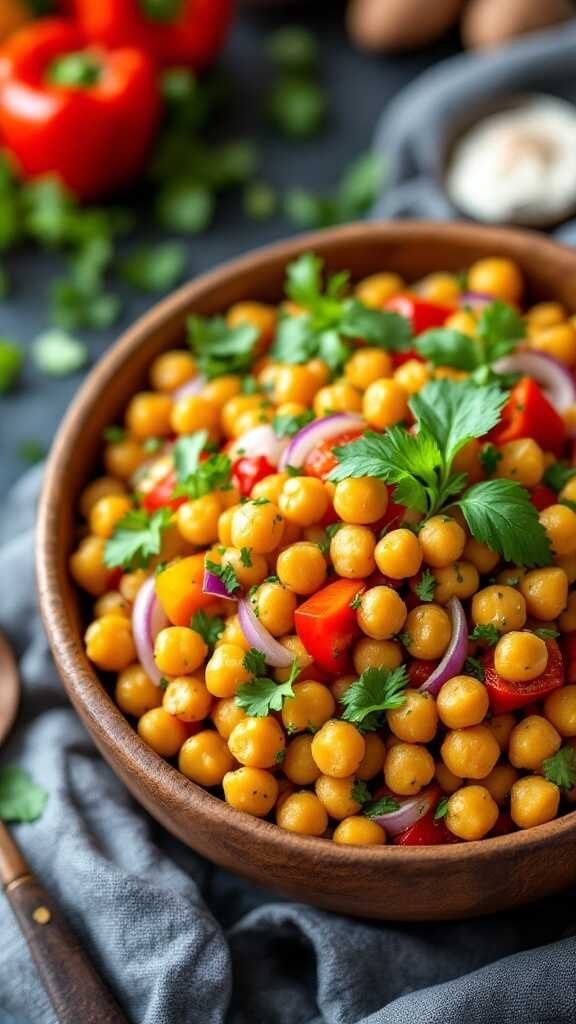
column 333, row 556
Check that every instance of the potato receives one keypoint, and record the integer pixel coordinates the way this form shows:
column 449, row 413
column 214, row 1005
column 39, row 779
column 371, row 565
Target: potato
column 489, row 23
column 400, row 24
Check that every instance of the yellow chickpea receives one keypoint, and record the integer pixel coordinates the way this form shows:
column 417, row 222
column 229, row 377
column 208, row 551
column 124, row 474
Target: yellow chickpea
column 462, row 701
column 442, row 288
column 301, row 568
column 500, row 606
column 480, row 555
column 545, row 314
column 270, row 487
column 500, row 278
column 568, row 564
column 376, row 289
column 161, row 731
column 102, row 487
column 373, row 760
column 257, row 742
column 87, row 566
column 359, row 831
column 460, row 579
column 407, row 768
column 369, row 653
column 187, row 698
column 205, row 758
column 545, row 592
column 462, row 321
column 337, row 397
column 179, row 650
column 225, row 671
column 171, row 370
column 520, row 656
column 135, row 693
column 232, row 634
column 251, row 790
column 198, row 520
column 398, row 554
column 258, row 526
column 123, row 458
column 250, row 569
column 258, row 315
column 297, row 651
column 352, row 552
column 500, row 782
column 303, row 500
column 112, row 603
column 109, row 643
column 367, row 365
column 275, row 606
column 336, row 795
column 226, row 714
column 107, row 512
column 412, row 376
column 568, row 492
column 442, row 541
column 361, row 501
column 533, row 801
column 468, row 461
column 522, row 460
column 302, row 813
column 532, row 741
column 472, row 813
column 130, row 583
column 471, row 753
column 558, row 341
column 559, row 521
column 221, row 389
column 381, row 613
column 298, row 764
column 310, row 707
column 233, row 410
column 194, row 412
column 148, row 415
column 428, row 629
column 338, row 748
column 295, row 384
column 415, row 721
column 446, row 779
column 501, row 728
column 560, row 710
column 385, row 403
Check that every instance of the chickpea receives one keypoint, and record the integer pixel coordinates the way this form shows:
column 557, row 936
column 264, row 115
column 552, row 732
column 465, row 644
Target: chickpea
column 171, row 370
column 107, row 512
column 446, row 779
column 198, row 520
column 533, row 801
column 462, row 701
column 338, row 748
column 341, row 685
column 257, row 526
column 412, row 376
column 310, row 707
column 415, row 721
column 187, row 698
column 568, row 492
column 520, row 657
column 249, row 568
column 233, row 410
column 545, row 314
column 471, row 752
column 558, row 341
column 559, row 521
column 373, row 760
column 560, row 710
column 295, row 384
column 463, row 321
column 302, row 813
column 442, row 541
column 442, row 288
column 258, row 315
column 500, row 782
column 385, row 403
column 303, row 501
column 500, row 278
column 483, row 557
column 270, row 487
column 532, row 741
column 398, row 554
column 257, row 742
column 369, row 653
column 501, row 728
column 112, row 603
column 460, row 579
column 429, row 630
column 251, row 790
column 381, row 613
column 161, row 731
column 568, row 564
column 109, row 643
column 123, row 458
column 352, row 552
column 361, row 501
column 225, row 671
column 194, row 412
column 148, row 415
column 205, row 759
column 275, row 607
column 336, row 795
column 296, row 648
column 359, row 831
column 179, row 650
column 376, row 289
column 298, row 764
column 87, row 566
column 545, row 592
column 407, row 768
column 221, row 389
column 367, row 365
column 472, row 813
column 102, row 487
column 301, row 568
column 521, row 460
column 500, row 606
column 337, row 397
column 226, row 714
column 135, row 693
column 233, row 634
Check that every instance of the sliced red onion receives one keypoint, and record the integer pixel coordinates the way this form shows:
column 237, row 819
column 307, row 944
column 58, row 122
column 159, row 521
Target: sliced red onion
column 259, row 637
column 453, row 660
column 148, row 619
column 315, row 433
column 191, row 387
column 213, row 585
column 409, row 812
column 555, row 379
column 259, row 441
column 476, row 300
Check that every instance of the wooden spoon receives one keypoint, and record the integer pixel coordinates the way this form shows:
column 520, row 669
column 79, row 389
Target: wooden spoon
column 75, row 989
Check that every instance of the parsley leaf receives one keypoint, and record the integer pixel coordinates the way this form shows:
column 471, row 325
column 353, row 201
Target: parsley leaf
column 499, row 513
column 225, row 573
column 356, row 601
column 254, row 661
column 113, row 434
column 561, row 768
column 487, row 635
column 21, row 799
column 187, row 452
column 489, row 458
column 474, row 667
column 377, row 690
column 195, row 478
column 287, row 426
column 441, row 808
column 546, row 634
column 210, row 627
column 385, row 805
column 155, row 268
column 426, row 586
column 221, row 349
column 262, row 695
column 360, row 792
column 245, row 557
column 498, row 332
column 57, row 353
column 136, row 539
column 444, row 347
column 454, row 413
column 558, row 474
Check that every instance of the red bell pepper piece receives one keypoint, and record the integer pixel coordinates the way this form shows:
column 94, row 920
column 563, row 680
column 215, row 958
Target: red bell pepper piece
column 422, row 315
column 542, row 496
column 528, row 413
column 426, row 831
column 86, row 115
column 326, row 624
column 175, row 32
column 248, row 470
column 322, row 460
column 569, row 655
column 161, row 495
column 508, row 696
column 419, row 670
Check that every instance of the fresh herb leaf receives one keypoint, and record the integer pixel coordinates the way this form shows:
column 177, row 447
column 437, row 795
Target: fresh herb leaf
column 454, row 413
column 499, row 513
column 546, row 634
column 558, row 474
column 136, row 539
column 561, row 768
column 210, row 627
column 444, row 347
column 356, row 600
column 262, row 695
column 57, row 353
column 187, row 452
column 293, row 49
column 360, row 792
column 11, row 362
column 487, row 635
column 489, row 458
column 377, row 690
column 185, row 207
column 499, row 330
column 426, row 586
column 153, row 444
column 225, row 573
column 260, row 200
column 474, row 667
column 113, row 434
column 21, row 799
column 221, row 349
column 287, row 426
column 246, row 557
column 196, row 478
column 163, row 684
column 254, row 661
column 385, row 805
column 155, row 268
column 441, row 808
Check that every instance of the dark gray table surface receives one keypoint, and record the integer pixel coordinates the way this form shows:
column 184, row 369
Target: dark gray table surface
column 359, row 86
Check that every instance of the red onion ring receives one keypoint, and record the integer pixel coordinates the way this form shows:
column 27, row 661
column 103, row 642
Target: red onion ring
column 191, row 387
column 476, row 300
column 259, row 441
column 259, row 637
column 554, row 377
column 456, row 651
column 315, row 433
column 148, row 619
column 409, row 812
column 213, row 585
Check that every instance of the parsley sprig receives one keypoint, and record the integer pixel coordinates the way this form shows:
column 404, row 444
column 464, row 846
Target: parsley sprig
column 263, row 695
column 221, row 349
column 210, row 627
column 377, row 690
column 225, row 572
column 426, row 586
column 487, row 635
column 136, row 539
column 561, row 768
column 498, row 332
column 196, row 478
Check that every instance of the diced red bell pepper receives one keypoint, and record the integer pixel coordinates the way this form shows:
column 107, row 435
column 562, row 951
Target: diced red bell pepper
column 322, row 460
column 249, row 470
column 528, row 413
column 426, row 831
column 542, row 496
column 161, row 494
column 422, row 315
column 508, row 696
column 418, row 671
column 326, row 624
column 569, row 656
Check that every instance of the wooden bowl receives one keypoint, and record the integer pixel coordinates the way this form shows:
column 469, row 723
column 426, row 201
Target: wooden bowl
column 382, row 882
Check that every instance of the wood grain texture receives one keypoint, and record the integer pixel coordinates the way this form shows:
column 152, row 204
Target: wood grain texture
column 398, row 883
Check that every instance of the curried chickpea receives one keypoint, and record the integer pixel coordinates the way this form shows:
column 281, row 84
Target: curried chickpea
column 385, row 403
column 337, row 397
column 520, row 656
column 376, row 289
column 521, row 460
column 500, row 606
column 257, row 742
column 533, row 801
column 407, row 768
column 369, row 653
column 352, row 552
column 361, row 501
column 107, row 512
column 135, row 693
column 336, row 795
column 112, row 603
column 171, row 370
column 270, row 487
column 303, row 500
column 257, row 525
column 560, row 709
column 187, row 698
column 472, row 813
column 545, row 592
column 483, row 557
column 161, row 731
column 459, row 579
column 359, row 831
column 194, row 412
column 275, row 606
column 442, row 288
column 205, row 758
column 226, row 714
column 123, row 458
column 558, row 341
column 259, row 315
column 301, row 568
column 178, row 650
column 302, row 813
column 415, row 721
column 102, row 487
column 338, row 748
column 373, row 760
column 470, row 753
column 532, row 741
column 311, row 706
column 109, row 643
column 498, row 277
column 148, row 415
column 500, row 782
column 295, row 384
column 567, row 620
column 252, row 790
column 412, row 376
column 381, row 613
column 367, row 365
column 298, row 765
column 442, row 541
column 559, row 521
column 249, row 568
column 462, row 701
column 225, row 672
column 398, row 554
column 428, row 631
column 198, row 520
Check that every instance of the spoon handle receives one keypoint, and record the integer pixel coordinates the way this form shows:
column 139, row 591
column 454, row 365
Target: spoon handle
column 76, row 990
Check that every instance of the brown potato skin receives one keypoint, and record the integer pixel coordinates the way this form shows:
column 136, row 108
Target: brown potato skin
column 400, row 24
column 490, row 23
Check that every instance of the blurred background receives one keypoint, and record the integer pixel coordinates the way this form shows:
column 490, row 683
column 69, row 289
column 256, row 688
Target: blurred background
column 144, row 141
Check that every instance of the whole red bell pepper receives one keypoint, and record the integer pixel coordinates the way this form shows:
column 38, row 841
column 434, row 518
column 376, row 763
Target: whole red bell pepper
column 82, row 113
column 528, row 413
column 175, row 32
column 326, row 624
column 508, row 696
